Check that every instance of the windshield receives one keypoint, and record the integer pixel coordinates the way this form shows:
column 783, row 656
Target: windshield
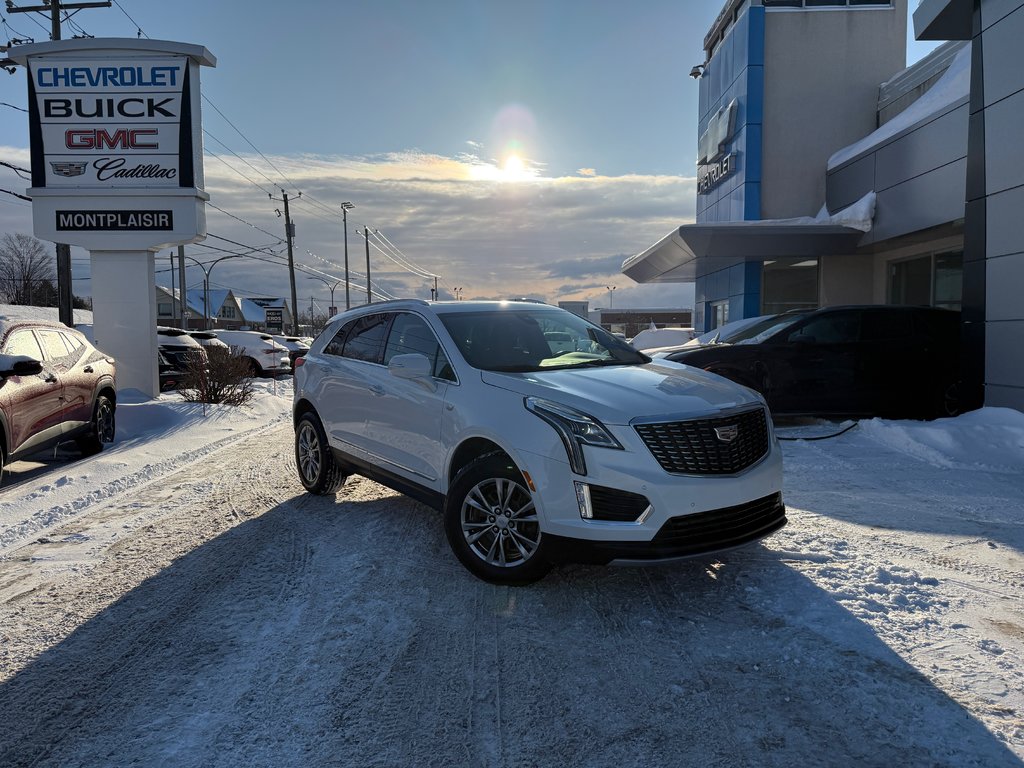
column 525, row 340
column 760, row 332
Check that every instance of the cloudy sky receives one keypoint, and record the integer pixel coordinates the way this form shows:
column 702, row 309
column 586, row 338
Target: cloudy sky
column 512, row 148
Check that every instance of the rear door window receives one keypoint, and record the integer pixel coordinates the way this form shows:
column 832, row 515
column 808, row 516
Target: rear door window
column 23, row 343
column 886, row 325
column 832, row 328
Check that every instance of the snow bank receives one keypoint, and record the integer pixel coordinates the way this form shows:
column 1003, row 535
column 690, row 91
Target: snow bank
column 154, row 438
column 990, row 439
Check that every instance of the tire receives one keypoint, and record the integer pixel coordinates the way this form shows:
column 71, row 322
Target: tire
column 319, row 473
column 492, row 525
column 254, row 368
column 101, row 428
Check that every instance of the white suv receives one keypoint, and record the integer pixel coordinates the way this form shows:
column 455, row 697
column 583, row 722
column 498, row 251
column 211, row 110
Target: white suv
column 265, row 356
column 533, row 453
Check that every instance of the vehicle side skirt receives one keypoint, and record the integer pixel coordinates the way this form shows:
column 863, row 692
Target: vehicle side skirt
column 391, row 480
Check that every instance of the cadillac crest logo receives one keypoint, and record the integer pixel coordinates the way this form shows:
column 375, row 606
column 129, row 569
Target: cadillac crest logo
column 727, row 433
column 68, row 169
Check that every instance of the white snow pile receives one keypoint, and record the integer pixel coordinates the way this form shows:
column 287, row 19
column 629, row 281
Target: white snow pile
column 990, row 439
column 954, row 85
column 859, row 215
column 52, row 314
column 153, row 438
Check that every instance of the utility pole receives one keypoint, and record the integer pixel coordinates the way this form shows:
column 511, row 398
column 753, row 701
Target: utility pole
column 289, row 229
column 170, row 256
column 366, row 236
column 182, row 302
column 345, row 207
column 433, row 291
column 64, row 288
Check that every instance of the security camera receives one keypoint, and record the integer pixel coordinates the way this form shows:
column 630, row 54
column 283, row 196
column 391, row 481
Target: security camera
column 697, row 71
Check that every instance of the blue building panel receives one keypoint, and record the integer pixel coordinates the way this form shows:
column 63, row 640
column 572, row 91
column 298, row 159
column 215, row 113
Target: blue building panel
column 735, row 72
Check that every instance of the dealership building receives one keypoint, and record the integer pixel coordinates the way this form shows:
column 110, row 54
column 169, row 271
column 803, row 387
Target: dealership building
column 829, row 173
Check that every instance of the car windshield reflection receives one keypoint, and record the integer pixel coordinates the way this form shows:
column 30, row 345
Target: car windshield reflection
column 527, row 341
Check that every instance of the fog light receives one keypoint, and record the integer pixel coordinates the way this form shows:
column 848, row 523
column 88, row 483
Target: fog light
column 583, row 499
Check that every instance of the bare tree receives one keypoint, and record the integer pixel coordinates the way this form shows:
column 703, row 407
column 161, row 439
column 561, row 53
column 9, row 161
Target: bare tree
column 27, row 273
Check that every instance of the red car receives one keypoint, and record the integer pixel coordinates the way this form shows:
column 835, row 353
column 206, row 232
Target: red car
column 54, row 387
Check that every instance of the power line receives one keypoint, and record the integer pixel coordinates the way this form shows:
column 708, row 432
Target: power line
column 20, row 109
column 243, row 221
column 133, row 21
column 207, row 151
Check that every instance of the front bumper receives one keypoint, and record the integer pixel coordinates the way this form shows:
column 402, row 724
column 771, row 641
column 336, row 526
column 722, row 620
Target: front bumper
column 680, row 537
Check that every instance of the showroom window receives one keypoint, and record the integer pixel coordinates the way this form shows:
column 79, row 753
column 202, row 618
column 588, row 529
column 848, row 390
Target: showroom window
column 719, row 313
column 935, row 280
column 787, row 286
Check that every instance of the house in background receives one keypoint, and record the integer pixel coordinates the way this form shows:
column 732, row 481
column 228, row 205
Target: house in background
column 168, row 310
column 225, row 310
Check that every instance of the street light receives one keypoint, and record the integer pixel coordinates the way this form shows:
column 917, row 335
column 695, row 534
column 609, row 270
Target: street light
column 345, row 208
column 333, row 288
column 611, row 295
column 206, row 284
column 366, row 234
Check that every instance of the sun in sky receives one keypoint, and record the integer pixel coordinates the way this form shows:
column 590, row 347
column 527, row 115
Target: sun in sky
column 513, row 169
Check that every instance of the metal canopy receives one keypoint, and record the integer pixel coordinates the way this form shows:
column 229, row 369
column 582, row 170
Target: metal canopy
column 693, row 250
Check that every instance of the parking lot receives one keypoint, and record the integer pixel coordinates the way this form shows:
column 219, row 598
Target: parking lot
column 218, row 616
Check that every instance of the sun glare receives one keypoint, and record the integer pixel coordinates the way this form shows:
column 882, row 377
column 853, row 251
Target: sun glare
column 514, row 166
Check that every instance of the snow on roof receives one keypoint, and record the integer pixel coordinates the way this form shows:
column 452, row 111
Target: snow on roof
column 953, row 86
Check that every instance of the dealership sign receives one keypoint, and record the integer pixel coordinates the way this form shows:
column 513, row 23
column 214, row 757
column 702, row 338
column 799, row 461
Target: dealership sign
column 714, row 163
column 116, row 141
column 111, row 126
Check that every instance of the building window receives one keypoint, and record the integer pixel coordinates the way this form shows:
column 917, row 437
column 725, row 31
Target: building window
column 825, row 3
column 788, row 286
column 163, row 308
column 934, row 280
column 227, row 312
column 719, row 313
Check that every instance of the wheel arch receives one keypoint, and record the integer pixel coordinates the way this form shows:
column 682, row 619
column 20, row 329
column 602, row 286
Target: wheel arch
column 468, row 451
column 302, row 406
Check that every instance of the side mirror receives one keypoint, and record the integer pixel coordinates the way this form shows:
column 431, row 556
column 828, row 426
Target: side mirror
column 414, row 367
column 19, row 365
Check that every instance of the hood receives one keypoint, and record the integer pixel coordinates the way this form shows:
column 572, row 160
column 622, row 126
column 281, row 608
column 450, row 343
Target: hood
column 619, row 394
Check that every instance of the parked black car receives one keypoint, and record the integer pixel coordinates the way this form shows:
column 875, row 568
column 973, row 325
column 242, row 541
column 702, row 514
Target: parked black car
column 878, row 360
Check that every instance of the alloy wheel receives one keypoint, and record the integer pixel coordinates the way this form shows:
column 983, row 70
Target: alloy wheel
column 499, row 522
column 308, row 452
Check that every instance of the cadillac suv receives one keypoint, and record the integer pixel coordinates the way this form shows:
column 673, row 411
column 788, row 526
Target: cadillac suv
column 536, row 450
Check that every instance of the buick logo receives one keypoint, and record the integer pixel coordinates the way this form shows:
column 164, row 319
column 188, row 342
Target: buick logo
column 727, row 433
column 68, row 169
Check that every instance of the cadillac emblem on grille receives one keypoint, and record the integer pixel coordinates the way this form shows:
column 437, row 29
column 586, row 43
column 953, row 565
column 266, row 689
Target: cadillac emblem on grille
column 727, row 433
column 68, row 169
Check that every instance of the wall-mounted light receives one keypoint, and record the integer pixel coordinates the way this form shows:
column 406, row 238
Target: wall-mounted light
column 697, row 71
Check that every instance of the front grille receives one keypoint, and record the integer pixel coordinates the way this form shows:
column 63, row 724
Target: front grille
column 694, row 448
column 616, row 505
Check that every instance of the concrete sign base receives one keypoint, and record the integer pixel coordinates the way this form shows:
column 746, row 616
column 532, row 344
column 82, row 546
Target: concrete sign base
column 124, row 316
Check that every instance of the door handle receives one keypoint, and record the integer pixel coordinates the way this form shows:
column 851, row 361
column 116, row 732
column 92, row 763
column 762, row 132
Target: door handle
column 50, row 378
column 377, row 389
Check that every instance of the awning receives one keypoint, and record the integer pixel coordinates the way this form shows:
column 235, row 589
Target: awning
column 693, row 250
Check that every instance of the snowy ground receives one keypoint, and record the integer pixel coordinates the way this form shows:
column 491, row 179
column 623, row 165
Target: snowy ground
column 178, row 601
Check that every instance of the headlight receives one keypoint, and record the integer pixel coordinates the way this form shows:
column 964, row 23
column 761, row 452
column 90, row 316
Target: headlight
column 575, row 428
